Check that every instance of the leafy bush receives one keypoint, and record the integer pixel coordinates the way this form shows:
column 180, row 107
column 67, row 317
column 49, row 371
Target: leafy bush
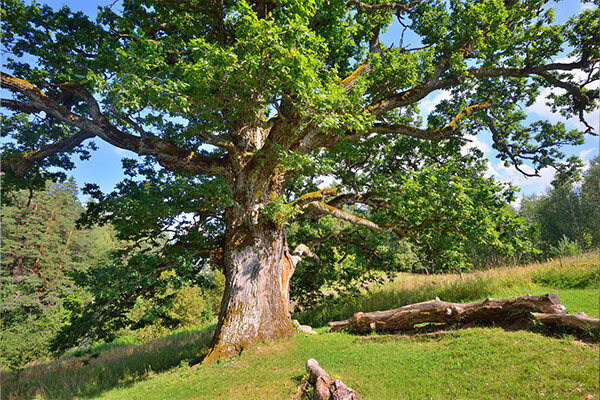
column 566, row 247
column 24, row 342
column 192, row 306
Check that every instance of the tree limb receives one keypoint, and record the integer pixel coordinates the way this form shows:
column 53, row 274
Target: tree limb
column 417, row 93
column 437, row 134
column 166, row 152
column 21, row 164
column 322, row 208
column 312, row 196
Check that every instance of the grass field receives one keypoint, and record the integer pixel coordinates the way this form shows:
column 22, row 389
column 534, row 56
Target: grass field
column 470, row 364
column 478, row 363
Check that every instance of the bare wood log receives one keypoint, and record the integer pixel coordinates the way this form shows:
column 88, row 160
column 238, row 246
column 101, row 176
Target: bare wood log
column 579, row 321
column 327, row 388
column 496, row 311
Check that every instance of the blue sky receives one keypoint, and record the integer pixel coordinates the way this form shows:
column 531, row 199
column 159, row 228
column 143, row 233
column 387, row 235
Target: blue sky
column 104, row 168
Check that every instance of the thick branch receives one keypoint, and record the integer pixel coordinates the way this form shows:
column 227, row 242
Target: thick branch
column 312, row 196
column 576, row 321
column 20, row 165
column 413, row 95
column 437, row 134
column 166, row 153
column 326, row 209
column 325, row 386
column 18, row 106
column 499, row 311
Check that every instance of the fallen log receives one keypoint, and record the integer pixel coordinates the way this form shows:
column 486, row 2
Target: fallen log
column 326, row 387
column 501, row 312
column 580, row 322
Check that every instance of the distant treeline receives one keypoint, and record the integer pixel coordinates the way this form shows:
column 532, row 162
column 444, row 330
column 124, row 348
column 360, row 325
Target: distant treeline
column 567, row 217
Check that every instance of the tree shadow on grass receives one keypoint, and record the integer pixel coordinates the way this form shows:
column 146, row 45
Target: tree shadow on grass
column 117, row 367
column 440, row 331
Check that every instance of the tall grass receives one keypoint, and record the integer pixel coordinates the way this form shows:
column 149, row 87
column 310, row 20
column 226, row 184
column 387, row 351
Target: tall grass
column 80, row 377
column 413, row 288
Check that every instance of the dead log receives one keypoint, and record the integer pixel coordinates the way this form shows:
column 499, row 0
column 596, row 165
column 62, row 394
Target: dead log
column 580, row 322
column 327, row 388
column 501, row 312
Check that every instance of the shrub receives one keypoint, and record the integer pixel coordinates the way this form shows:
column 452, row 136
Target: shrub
column 566, row 247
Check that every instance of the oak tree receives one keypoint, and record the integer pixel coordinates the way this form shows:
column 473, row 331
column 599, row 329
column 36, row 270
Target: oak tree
column 237, row 106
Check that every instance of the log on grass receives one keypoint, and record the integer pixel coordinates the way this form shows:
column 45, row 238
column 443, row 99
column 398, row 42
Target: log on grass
column 325, row 386
column 580, row 322
column 490, row 311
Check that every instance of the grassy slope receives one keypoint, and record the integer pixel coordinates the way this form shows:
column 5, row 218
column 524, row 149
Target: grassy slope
column 480, row 363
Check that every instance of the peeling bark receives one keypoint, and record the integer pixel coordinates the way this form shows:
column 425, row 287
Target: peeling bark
column 257, row 269
column 253, row 307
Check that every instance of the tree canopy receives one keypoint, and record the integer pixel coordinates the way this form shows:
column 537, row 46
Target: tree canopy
column 240, row 108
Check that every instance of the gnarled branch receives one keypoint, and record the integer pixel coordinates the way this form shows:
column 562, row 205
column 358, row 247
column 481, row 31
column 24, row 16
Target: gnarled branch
column 166, row 152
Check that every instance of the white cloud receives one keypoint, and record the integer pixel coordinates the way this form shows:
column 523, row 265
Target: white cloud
column 122, row 152
column 517, row 202
column 587, row 6
column 588, row 154
column 542, row 110
column 516, row 178
column 428, row 104
column 326, row 181
column 473, row 142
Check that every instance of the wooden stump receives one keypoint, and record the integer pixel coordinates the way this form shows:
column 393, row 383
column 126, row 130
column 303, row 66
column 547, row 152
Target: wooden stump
column 327, row 388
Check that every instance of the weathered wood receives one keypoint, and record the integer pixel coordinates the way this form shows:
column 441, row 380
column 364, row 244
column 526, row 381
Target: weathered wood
column 579, row 321
column 491, row 311
column 326, row 388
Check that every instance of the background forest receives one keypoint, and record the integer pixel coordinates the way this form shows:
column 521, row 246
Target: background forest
column 52, row 265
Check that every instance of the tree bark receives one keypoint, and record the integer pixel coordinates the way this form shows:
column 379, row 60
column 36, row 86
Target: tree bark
column 325, row 386
column 580, row 322
column 254, row 303
column 489, row 311
column 257, row 272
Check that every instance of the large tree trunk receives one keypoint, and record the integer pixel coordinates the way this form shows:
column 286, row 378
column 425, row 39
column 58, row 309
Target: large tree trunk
column 257, row 271
column 254, row 303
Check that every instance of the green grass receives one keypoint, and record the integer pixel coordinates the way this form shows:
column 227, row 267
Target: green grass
column 479, row 363
column 74, row 377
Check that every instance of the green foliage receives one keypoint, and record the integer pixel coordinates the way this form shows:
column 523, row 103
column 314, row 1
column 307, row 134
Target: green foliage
column 41, row 247
column 159, row 369
column 190, row 306
column 575, row 272
column 566, row 247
